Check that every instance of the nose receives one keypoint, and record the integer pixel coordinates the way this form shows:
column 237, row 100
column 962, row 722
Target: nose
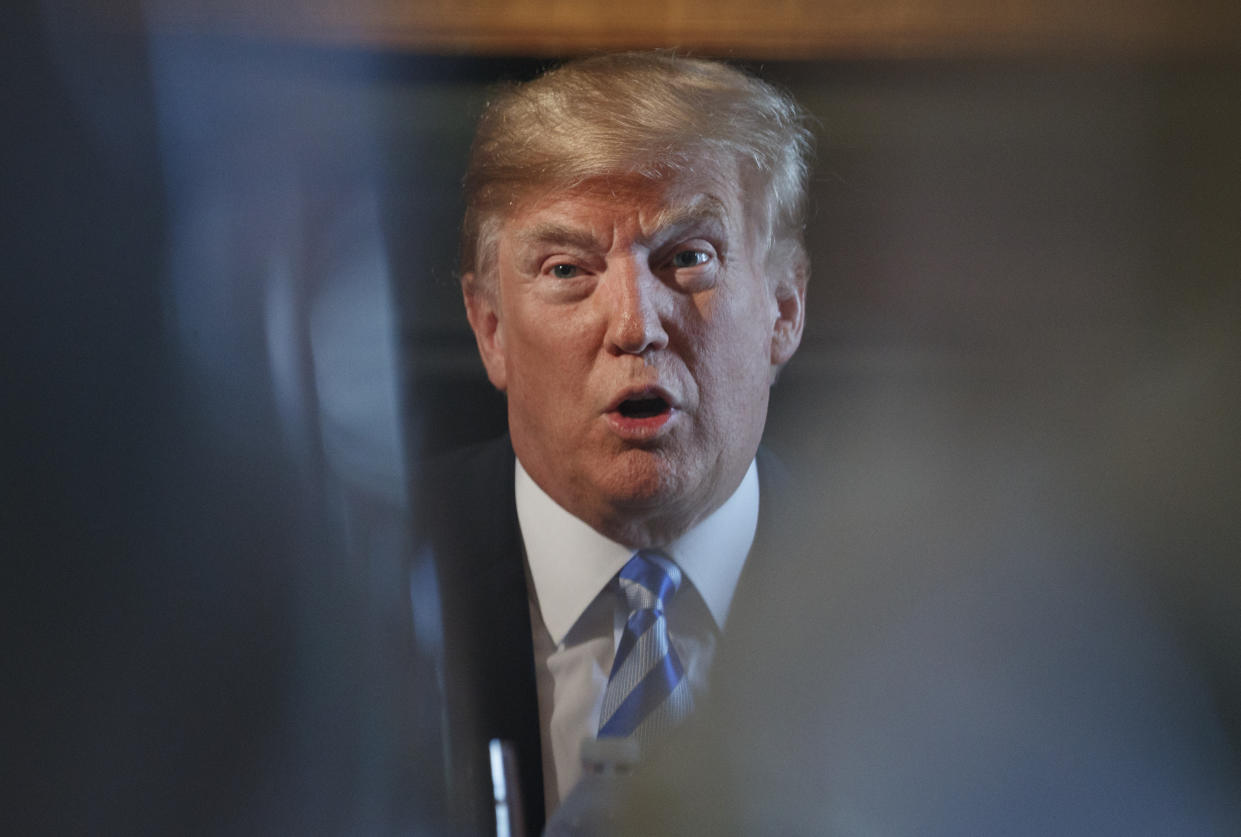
column 635, row 298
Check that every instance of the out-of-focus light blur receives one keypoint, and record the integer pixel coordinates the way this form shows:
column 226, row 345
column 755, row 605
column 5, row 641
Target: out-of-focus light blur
column 232, row 333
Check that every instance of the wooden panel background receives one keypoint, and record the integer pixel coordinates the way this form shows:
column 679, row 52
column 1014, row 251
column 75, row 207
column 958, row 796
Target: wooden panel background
column 739, row 28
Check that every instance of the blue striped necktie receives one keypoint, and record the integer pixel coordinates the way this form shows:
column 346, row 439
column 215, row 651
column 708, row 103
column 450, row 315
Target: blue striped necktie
column 648, row 693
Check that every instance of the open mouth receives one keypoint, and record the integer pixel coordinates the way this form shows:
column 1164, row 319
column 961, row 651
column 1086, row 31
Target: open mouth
column 640, row 408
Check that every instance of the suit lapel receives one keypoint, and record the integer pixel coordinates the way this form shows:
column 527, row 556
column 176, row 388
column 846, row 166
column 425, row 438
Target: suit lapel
column 762, row 567
column 470, row 521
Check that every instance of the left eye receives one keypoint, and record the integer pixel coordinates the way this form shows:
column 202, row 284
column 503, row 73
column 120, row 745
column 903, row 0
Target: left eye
column 565, row 271
column 690, row 258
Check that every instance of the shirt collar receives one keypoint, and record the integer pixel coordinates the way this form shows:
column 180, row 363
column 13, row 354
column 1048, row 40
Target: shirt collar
column 570, row 563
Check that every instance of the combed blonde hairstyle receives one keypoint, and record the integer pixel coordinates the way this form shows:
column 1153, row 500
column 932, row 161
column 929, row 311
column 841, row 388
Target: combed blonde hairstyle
column 655, row 114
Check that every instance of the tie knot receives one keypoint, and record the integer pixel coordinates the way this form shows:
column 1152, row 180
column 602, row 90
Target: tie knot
column 648, row 581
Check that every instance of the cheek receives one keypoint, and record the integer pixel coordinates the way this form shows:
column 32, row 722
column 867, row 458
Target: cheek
column 549, row 351
column 733, row 360
column 740, row 335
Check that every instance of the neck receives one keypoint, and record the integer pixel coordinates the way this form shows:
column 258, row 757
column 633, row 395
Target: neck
column 644, row 532
column 643, row 524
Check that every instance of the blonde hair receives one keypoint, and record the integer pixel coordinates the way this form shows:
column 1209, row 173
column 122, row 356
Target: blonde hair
column 655, row 114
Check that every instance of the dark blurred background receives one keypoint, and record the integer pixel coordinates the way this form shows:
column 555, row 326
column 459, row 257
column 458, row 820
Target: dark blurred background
column 231, row 330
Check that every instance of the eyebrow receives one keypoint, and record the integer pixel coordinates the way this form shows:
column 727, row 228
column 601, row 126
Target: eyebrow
column 553, row 233
column 702, row 211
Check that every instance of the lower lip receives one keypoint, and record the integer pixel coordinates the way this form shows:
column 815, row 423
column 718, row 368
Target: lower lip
column 639, row 428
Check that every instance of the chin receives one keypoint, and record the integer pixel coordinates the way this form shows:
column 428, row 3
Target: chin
column 642, row 479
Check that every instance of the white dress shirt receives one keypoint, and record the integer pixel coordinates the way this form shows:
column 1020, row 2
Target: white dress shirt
column 577, row 615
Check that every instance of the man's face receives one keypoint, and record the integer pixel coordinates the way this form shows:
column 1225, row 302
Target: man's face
column 636, row 331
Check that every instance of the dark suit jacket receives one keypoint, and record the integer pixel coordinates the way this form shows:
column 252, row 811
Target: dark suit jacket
column 470, row 542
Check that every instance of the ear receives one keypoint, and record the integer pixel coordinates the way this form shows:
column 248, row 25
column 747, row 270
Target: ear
column 790, row 294
column 482, row 310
